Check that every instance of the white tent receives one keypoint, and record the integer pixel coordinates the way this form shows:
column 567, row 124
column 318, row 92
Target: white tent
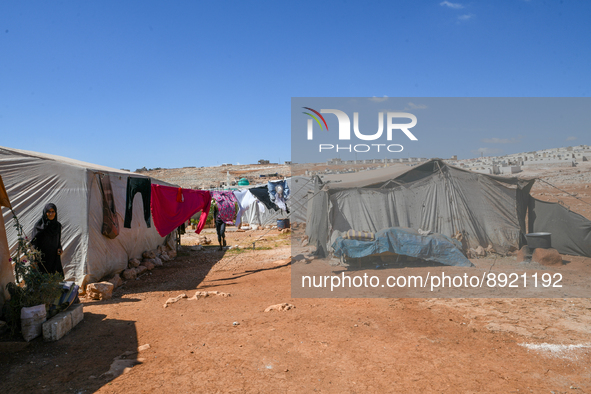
column 6, row 274
column 34, row 179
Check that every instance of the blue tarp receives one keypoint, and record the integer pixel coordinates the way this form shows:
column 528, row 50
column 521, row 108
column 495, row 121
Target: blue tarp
column 405, row 241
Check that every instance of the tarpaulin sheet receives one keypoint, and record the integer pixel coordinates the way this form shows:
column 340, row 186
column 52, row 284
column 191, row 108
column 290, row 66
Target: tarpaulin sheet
column 408, row 242
column 570, row 232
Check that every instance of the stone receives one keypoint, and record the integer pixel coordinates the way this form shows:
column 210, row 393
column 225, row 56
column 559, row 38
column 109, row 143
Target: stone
column 197, row 248
column 100, row 290
column 164, row 257
column 280, row 307
column 547, row 257
column 59, row 325
column 175, row 299
column 203, row 294
column 160, row 249
column 523, row 254
column 129, row 274
column 489, row 249
column 171, row 253
column 480, row 252
column 140, row 270
column 143, row 347
column 133, row 263
column 149, row 254
column 286, row 231
column 148, row 264
column 157, row 262
column 254, row 227
column 116, row 281
column 77, row 313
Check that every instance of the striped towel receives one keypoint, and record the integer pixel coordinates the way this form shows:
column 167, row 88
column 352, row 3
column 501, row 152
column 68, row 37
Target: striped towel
column 359, row 235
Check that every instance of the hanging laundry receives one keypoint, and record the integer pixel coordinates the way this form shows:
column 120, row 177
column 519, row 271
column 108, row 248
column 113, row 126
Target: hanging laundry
column 110, row 220
column 169, row 213
column 262, row 194
column 279, row 192
column 137, row 185
column 226, row 205
column 245, row 199
column 4, row 201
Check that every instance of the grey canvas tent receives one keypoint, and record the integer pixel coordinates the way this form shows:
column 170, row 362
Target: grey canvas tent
column 432, row 196
column 437, row 197
column 35, row 179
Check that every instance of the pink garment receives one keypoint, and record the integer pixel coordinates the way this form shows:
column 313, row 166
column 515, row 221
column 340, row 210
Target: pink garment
column 226, row 207
column 168, row 213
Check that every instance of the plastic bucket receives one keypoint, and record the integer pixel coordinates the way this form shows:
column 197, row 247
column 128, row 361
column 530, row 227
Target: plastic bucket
column 538, row 240
column 282, row 223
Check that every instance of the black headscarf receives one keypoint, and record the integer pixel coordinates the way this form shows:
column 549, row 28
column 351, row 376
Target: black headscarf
column 44, row 225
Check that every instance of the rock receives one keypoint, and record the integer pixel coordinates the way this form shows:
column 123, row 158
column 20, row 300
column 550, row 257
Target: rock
column 254, row 227
column 143, row 347
column 148, row 264
column 280, row 307
column 160, row 249
column 129, row 274
column 286, row 231
column 157, row 262
column 165, row 257
column 140, row 270
column 100, row 291
column 305, row 242
column 116, row 281
column 175, row 299
column 133, row 263
column 548, row 257
column 203, row 294
column 523, row 254
column 197, row 248
column 480, row 252
column 489, row 249
column 172, row 253
column 149, row 254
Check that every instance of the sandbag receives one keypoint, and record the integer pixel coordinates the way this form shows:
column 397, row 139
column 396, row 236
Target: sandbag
column 32, row 319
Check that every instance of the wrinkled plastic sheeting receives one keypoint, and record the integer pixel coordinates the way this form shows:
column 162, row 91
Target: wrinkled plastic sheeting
column 408, row 242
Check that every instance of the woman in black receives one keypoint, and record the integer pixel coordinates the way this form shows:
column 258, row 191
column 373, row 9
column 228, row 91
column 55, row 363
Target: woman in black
column 47, row 238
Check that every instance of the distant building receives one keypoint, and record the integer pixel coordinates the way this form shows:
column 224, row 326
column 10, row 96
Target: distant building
column 263, row 161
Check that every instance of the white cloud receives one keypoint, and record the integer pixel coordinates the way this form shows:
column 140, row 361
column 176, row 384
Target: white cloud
column 415, row 106
column 502, row 140
column 465, row 17
column 571, row 138
column 378, row 99
column 487, row 151
column 456, row 6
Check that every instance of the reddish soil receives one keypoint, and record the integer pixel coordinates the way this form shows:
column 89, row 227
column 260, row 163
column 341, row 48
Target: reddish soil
column 324, row 345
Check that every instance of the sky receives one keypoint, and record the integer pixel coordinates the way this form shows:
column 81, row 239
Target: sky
column 151, row 84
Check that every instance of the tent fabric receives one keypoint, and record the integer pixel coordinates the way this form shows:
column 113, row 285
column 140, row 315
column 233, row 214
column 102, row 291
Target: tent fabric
column 6, row 271
column 432, row 196
column 408, row 242
column 570, row 232
column 169, row 213
column 4, row 201
column 301, row 189
column 34, row 179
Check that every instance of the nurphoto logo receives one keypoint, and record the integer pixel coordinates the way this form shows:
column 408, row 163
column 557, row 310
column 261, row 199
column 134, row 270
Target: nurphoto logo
column 345, row 130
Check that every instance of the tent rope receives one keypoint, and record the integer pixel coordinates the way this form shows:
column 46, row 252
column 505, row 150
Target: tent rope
column 564, row 191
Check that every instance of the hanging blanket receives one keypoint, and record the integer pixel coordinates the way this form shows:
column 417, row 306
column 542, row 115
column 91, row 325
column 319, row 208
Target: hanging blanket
column 226, row 205
column 245, row 200
column 168, row 212
column 278, row 193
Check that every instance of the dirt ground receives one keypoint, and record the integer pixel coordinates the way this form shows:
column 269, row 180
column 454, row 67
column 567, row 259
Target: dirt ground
column 230, row 344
